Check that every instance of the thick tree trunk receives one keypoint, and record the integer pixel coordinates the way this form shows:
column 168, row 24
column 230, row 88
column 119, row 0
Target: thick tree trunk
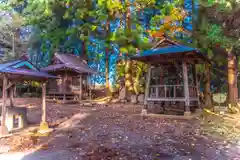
column 128, row 75
column 236, row 79
column 128, row 66
column 207, row 89
column 232, row 81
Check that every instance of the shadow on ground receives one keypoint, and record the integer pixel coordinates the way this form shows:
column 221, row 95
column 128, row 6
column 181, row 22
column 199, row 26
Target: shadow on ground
column 117, row 131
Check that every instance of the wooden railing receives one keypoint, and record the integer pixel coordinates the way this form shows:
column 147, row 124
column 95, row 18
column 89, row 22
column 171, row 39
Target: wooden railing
column 171, row 91
column 166, row 91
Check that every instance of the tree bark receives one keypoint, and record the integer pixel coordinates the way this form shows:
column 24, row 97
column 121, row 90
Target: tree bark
column 207, row 89
column 128, row 66
column 236, row 78
column 107, row 60
column 232, row 81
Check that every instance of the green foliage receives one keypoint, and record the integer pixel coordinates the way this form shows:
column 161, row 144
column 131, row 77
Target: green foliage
column 11, row 44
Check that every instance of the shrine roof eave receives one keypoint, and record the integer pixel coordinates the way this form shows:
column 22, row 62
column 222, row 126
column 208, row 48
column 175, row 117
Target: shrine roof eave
column 63, row 67
column 20, row 74
column 176, row 52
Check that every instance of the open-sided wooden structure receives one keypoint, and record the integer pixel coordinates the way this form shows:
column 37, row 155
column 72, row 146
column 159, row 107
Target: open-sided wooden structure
column 15, row 72
column 171, row 83
column 73, row 72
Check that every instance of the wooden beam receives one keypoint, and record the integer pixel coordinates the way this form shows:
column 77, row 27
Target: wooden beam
column 4, row 129
column 147, row 84
column 166, row 99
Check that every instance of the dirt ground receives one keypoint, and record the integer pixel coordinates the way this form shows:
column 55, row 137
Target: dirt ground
column 118, row 131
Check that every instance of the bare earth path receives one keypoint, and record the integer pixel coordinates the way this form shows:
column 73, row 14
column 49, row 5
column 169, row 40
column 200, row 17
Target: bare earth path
column 115, row 132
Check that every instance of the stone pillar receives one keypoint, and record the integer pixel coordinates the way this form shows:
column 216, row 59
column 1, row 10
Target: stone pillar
column 186, row 89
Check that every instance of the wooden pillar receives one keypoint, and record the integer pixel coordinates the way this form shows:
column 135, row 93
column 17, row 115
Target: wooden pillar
column 161, row 75
column 44, row 117
column 11, row 95
column 90, row 87
column 44, row 125
column 186, row 89
column 80, row 87
column 64, row 87
column 15, row 91
column 147, row 84
column 197, row 86
column 3, row 129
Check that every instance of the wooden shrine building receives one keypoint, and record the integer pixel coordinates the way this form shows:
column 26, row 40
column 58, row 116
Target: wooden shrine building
column 171, row 82
column 72, row 85
column 12, row 73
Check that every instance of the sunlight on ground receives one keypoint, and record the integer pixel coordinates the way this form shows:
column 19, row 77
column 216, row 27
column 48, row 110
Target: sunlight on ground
column 73, row 121
column 13, row 156
column 102, row 100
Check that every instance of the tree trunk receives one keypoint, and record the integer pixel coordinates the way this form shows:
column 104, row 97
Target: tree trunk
column 107, row 72
column 107, row 60
column 236, row 78
column 128, row 66
column 207, row 89
column 232, row 81
column 84, row 54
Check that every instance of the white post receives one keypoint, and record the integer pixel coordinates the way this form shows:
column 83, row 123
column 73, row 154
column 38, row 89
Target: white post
column 3, row 129
column 186, row 89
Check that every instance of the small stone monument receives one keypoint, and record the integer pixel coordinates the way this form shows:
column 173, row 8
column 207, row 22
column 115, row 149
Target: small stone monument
column 16, row 118
column 220, row 98
column 141, row 98
column 133, row 99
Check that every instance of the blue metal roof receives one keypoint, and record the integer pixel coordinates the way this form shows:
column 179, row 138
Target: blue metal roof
column 13, row 68
column 166, row 50
column 27, row 72
column 17, row 64
column 8, row 64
